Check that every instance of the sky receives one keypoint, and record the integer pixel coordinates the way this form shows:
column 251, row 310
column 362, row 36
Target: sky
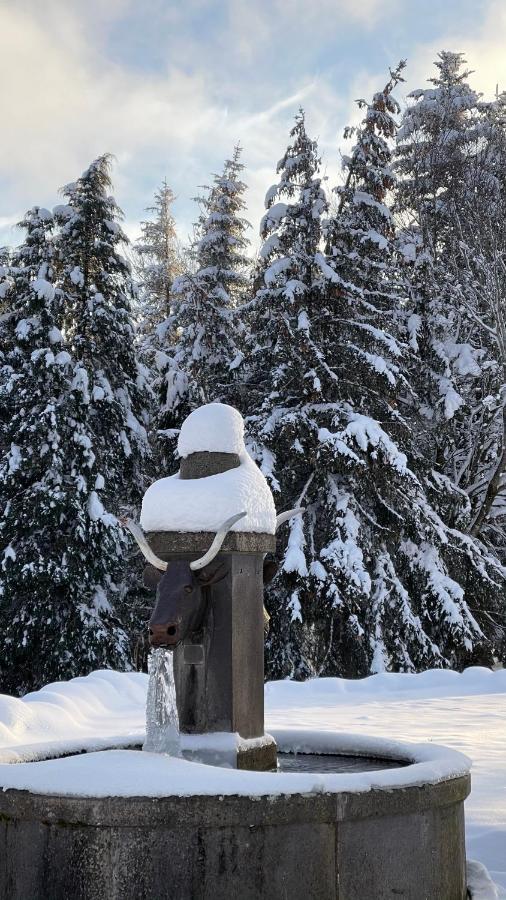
column 170, row 87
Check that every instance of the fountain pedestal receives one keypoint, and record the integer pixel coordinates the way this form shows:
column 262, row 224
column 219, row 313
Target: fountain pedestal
column 219, row 669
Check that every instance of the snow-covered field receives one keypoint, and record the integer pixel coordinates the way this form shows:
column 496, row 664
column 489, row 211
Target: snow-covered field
column 466, row 712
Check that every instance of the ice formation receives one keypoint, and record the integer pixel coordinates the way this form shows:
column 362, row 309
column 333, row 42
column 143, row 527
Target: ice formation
column 162, row 721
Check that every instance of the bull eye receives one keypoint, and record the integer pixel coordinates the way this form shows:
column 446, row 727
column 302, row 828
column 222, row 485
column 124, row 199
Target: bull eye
column 188, row 589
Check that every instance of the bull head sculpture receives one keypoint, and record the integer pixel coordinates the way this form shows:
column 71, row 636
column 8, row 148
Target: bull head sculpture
column 181, row 595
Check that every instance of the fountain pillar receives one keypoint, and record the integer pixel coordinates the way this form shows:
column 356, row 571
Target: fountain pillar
column 219, row 669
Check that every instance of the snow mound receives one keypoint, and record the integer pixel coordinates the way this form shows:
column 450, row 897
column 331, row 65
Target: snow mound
column 215, row 427
column 479, row 882
column 90, row 712
column 203, row 504
column 112, row 705
column 387, row 685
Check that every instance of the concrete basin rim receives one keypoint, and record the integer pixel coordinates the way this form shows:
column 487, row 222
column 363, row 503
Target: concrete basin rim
column 429, row 766
column 229, row 810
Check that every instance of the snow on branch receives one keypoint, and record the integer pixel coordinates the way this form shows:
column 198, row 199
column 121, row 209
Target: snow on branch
column 370, row 437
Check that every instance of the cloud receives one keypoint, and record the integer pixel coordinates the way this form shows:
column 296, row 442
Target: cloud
column 266, row 29
column 65, row 100
column 69, row 101
column 66, row 104
column 483, row 49
column 169, row 88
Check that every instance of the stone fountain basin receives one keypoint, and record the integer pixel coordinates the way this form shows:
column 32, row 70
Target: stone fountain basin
column 130, row 825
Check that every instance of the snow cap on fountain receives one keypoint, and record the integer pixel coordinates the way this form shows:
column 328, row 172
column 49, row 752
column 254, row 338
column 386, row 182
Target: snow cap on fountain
column 202, row 504
column 213, row 428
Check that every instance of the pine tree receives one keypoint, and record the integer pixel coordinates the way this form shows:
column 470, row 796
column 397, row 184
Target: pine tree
column 374, row 577
column 57, row 592
column 97, row 294
column 158, row 261
column 451, row 156
column 437, row 161
column 5, row 335
column 5, row 261
column 289, row 379
column 422, row 609
column 6, row 283
column 96, row 287
column 202, row 340
column 287, row 295
column 477, row 264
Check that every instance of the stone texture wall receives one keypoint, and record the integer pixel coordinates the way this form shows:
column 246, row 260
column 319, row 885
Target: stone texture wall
column 406, row 842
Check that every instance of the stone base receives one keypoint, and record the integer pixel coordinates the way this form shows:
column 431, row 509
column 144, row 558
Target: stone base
column 222, row 749
column 403, row 842
column 258, row 837
column 258, row 758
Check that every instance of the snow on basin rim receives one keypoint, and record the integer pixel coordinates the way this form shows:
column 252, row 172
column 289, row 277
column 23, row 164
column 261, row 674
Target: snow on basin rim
column 203, row 504
column 215, row 427
column 119, row 773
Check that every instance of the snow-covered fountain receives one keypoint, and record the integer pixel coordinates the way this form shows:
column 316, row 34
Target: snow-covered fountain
column 205, row 533
column 214, row 807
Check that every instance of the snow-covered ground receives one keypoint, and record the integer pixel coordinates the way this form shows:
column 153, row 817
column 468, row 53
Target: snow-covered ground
column 466, row 712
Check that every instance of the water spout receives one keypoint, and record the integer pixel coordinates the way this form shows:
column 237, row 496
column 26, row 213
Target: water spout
column 162, row 721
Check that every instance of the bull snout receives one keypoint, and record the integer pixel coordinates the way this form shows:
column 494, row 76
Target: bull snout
column 166, row 635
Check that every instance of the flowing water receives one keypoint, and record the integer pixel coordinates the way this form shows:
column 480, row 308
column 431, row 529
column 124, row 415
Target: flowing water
column 162, row 727
column 162, row 722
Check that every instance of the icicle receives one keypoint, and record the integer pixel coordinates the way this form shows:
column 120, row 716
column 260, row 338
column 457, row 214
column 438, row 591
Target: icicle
column 162, row 721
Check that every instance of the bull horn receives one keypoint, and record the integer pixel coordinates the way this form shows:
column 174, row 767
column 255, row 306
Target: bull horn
column 138, row 534
column 215, row 547
column 289, row 514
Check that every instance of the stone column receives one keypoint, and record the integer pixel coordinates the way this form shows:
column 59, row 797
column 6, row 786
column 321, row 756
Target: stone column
column 219, row 671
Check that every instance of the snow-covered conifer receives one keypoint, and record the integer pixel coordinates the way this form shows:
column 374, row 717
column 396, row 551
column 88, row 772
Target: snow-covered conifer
column 476, row 263
column 5, row 259
column 57, row 590
column 158, row 261
column 437, row 161
column 202, row 341
column 96, row 288
column 450, row 158
column 287, row 307
column 288, row 377
column 372, row 578
column 5, row 333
